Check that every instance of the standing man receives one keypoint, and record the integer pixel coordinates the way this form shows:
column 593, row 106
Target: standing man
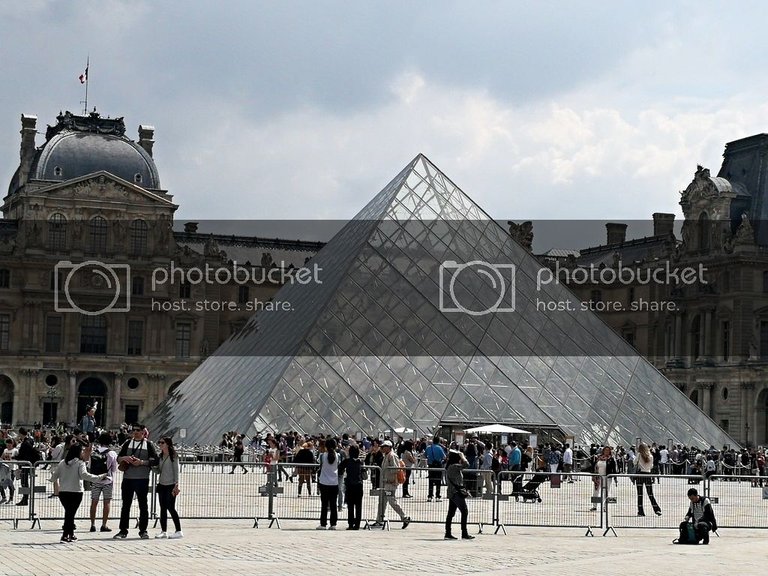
column 515, row 459
column 26, row 453
column 389, row 468
column 435, row 458
column 568, row 462
column 103, row 461
column 88, row 423
column 136, row 457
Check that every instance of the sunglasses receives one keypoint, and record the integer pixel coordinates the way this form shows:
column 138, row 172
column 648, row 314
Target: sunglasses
column 161, row 442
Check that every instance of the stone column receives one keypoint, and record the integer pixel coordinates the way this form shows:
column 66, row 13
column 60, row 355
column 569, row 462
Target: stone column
column 18, row 398
column 707, row 400
column 678, row 350
column 72, row 398
column 117, row 385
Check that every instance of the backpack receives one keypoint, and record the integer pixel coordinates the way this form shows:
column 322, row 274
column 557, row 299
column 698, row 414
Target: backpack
column 687, row 534
column 99, row 462
column 401, row 473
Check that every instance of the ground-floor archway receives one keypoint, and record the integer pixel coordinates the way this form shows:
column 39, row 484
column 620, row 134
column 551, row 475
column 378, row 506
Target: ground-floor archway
column 6, row 399
column 694, row 396
column 91, row 391
column 174, row 386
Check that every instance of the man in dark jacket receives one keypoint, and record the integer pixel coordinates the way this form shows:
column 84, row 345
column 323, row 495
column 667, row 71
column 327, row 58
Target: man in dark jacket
column 701, row 514
column 27, row 453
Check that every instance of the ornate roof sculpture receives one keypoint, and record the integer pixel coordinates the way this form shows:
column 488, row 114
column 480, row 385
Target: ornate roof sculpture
column 409, row 327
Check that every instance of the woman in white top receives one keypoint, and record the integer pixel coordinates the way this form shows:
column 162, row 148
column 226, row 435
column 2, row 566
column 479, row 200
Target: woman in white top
column 604, row 465
column 328, row 484
column 643, row 466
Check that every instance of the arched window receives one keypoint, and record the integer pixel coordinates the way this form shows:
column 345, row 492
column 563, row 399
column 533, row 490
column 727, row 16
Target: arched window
column 57, row 232
column 704, row 231
column 138, row 237
column 97, row 235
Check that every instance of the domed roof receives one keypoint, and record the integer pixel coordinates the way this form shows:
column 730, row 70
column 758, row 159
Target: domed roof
column 80, row 145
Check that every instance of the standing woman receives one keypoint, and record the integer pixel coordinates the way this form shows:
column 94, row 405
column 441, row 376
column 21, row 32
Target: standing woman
column 643, row 466
column 328, row 484
column 168, row 470
column 457, row 494
column 605, row 464
column 70, row 473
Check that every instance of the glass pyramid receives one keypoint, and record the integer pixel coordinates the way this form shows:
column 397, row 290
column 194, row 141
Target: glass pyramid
column 427, row 313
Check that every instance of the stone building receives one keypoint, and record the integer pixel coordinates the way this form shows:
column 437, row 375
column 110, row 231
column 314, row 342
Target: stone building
column 83, row 318
column 709, row 338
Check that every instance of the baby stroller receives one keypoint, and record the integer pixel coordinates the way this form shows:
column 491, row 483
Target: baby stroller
column 530, row 491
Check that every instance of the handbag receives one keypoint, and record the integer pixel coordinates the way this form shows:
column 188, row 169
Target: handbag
column 461, row 490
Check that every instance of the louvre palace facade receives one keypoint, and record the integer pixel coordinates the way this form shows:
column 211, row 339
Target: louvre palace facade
column 87, row 233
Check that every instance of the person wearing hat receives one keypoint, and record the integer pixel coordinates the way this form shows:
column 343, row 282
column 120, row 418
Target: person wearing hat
column 304, row 462
column 389, row 467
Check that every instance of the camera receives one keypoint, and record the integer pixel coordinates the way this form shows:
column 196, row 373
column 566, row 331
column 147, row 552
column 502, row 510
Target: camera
column 477, row 287
column 92, row 287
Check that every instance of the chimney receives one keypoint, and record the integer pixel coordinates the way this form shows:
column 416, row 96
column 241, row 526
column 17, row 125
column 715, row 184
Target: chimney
column 27, row 152
column 617, row 232
column 190, row 227
column 147, row 138
column 663, row 224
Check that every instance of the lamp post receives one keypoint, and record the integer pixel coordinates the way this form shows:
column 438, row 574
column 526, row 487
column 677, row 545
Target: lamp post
column 746, row 434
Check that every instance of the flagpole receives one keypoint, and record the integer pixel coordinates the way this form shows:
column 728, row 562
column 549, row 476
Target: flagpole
column 87, row 74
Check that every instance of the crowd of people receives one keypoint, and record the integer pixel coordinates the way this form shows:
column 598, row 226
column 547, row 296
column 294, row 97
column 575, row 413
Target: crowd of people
column 338, row 466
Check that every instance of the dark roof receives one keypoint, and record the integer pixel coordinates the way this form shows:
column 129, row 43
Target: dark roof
column 638, row 250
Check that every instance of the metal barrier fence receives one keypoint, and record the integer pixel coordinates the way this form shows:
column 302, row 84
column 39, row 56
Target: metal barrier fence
column 258, row 491
column 739, row 501
column 12, row 474
column 632, row 504
column 547, row 499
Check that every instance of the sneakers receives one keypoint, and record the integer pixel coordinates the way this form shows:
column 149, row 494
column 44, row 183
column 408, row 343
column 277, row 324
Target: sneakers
column 406, row 521
column 120, row 534
column 65, row 540
column 143, row 535
column 105, row 529
column 408, row 496
column 449, row 537
column 429, row 499
column 161, row 536
column 176, row 535
column 467, row 537
column 593, row 509
column 93, row 528
column 332, row 528
column 439, row 499
column 321, row 527
column 377, row 524
column 245, row 470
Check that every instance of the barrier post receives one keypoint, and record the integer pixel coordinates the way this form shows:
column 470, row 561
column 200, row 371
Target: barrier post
column 33, row 488
column 498, row 497
column 605, row 502
column 272, row 489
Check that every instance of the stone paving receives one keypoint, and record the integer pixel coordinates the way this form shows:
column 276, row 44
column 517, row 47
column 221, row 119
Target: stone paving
column 233, row 547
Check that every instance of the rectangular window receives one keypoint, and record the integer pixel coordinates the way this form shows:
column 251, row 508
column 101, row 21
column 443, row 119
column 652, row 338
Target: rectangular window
column 185, row 290
column 131, row 413
column 183, row 339
column 93, row 335
column 725, row 424
column 726, row 340
column 243, row 294
column 629, row 336
column 135, row 337
column 763, row 339
column 5, row 278
column 50, row 413
column 53, row 333
column 137, row 286
column 5, row 332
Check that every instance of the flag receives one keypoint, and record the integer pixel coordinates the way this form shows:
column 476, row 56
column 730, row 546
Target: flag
column 84, row 76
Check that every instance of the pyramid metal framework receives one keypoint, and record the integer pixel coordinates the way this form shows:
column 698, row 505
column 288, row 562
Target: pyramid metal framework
column 371, row 348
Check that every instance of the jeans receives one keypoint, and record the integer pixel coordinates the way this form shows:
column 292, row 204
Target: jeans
column 435, row 480
column 167, row 502
column 328, row 495
column 139, row 487
column 457, row 501
column 639, row 482
column 71, row 502
column 354, row 505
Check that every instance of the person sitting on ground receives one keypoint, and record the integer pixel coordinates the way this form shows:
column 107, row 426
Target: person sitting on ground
column 702, row 516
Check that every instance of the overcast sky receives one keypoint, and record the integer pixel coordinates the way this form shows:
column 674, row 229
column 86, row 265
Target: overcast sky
column 307, row 109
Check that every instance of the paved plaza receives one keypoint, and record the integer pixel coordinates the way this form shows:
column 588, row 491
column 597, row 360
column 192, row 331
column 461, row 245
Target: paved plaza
column 224, row 547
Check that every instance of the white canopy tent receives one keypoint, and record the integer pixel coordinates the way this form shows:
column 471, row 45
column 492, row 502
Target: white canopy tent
column 496, row 429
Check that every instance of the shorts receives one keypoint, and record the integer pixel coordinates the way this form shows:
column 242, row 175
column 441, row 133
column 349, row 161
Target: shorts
column 105, row 489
